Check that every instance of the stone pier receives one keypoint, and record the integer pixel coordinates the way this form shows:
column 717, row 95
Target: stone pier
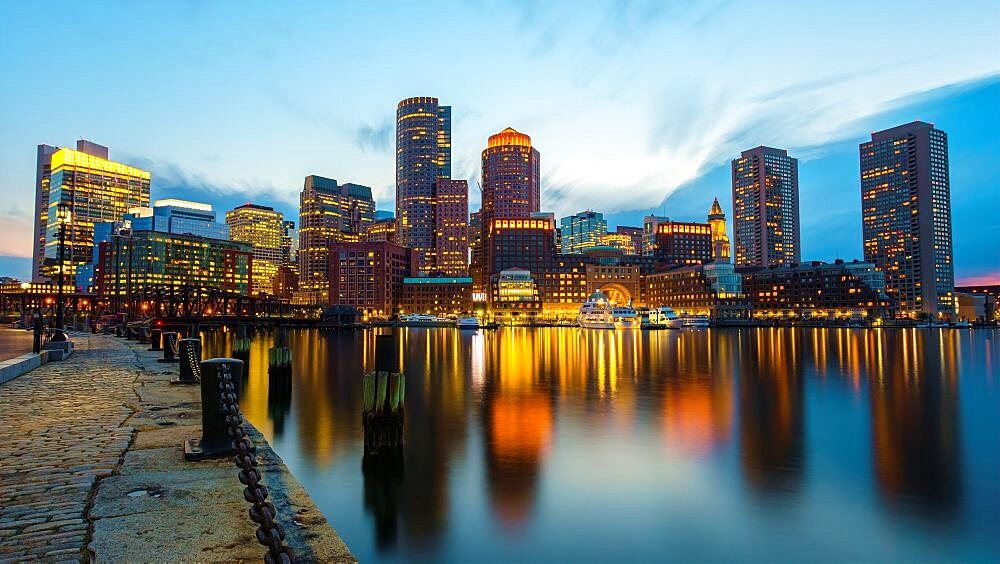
column 92, row 469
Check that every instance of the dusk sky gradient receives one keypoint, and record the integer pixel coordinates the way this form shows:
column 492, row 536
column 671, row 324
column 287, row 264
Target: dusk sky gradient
column 634, row 106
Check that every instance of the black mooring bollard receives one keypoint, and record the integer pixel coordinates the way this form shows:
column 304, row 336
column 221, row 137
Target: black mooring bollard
column 118, row 330
column 169, row 347
column 214, row 441
column 190, row 361
column 154, row 339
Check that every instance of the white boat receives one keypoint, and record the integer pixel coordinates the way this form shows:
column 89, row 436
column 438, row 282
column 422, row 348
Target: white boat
column 662, row 318
column 695, row 321
column 625, row 317
column 423, row 320
column 596, row 313
column 470, row 322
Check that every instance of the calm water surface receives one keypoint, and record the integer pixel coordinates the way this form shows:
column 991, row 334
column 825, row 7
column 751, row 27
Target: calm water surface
column 561, row 444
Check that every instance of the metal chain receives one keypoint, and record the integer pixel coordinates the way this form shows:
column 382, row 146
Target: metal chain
column 269, row 533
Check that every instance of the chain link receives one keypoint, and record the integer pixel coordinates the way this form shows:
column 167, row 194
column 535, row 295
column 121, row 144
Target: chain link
column 270, row 534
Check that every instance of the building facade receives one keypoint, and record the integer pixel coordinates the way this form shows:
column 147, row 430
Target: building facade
column 423, row 156
column 709, row 289
column 766, row 207
column 43, row 172
column 94, row 190
column 451, row 231
column 382, row 230
column 581, row 231
column 437, row 295
column 133, row 262
column 627, row 239
column 328, row 213
column 369, row 276
column 720, row 240
column 177, row 216
column 818, row 290
column 682, row 243
column 906, row 216
column 263, row 228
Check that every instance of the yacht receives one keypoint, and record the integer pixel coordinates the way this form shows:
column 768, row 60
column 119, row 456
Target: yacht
column 694, row 321
column 662, row 318
column 597, row 313
column 423, row 320
column 469, row 322
column 625, row 317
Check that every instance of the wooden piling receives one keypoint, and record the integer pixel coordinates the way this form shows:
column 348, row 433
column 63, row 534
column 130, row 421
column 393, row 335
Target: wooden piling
column 384, row 394
column 279, row 361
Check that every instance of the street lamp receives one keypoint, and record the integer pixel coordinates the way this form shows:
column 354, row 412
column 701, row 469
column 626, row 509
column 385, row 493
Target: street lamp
column 64, row 216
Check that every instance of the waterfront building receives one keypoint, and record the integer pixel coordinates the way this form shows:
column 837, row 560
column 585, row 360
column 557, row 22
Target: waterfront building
column 95, row 189
column 43, row 172
column 328, row 213
column 817, row 290
column 581, row 231
column 174, row 216
column 133, row 262
column 608, row 273
column 477, row 256
column 423, row 156
column 437, row 295
column 451, row 231
column 263, row 228
column 627, row 239
column 711, row 289
column 906, row 216
column 972, row 307
column 649, row 225
column 286, row 281
column 720, row 240
column 369, row 276
column 511, row 170
column 766, row 207
column 992, row 294
column 515, row 296
column 682, row 242
column 382, row 230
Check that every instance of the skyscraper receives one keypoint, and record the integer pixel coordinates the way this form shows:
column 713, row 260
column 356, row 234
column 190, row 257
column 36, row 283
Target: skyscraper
column 511, row 177
column 42, row 173
column 582, row 231
column 766, row 207
column 95, row 190
column 329, row 213
column 451, row 232
column 720, row 240
column 906, row 216
column 423, row 155
column 263, row 229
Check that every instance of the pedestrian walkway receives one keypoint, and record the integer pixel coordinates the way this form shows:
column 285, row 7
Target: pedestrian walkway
column 62, row 430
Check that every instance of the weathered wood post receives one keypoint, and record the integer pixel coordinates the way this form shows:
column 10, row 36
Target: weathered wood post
column 279, row 361
column 384, row 391
column 241, row 344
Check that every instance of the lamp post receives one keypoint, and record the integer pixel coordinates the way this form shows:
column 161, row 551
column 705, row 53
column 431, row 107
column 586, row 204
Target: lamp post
column 63, row 216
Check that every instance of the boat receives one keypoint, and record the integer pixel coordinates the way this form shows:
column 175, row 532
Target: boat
column 962, row 325
column 469, row 322
column 596, row 313
column 424, row 320
column 625, row 317
column 694, row 321
column 661, row 318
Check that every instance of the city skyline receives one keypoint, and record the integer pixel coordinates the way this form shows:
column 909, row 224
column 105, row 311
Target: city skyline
column 828, row 174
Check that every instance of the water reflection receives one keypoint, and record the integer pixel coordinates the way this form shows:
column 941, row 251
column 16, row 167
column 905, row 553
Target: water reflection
column 503, row 429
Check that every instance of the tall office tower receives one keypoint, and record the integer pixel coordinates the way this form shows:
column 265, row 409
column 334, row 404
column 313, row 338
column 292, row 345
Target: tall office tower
column 94, row 190
column 766, row 207
column 477, row 253
column 720, row 240
column 42, row 173
column 179, row 217
column 451, row 232
column 289, row 243
column 423, row 156
column 263, row 229
column 329, row 214
column 906, row 216
column 581, row 231
column 511, row 177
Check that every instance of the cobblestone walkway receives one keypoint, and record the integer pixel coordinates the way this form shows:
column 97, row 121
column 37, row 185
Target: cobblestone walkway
column 61, row 429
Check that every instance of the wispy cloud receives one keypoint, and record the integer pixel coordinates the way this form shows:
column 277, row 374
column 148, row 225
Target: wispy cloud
column 377, row 138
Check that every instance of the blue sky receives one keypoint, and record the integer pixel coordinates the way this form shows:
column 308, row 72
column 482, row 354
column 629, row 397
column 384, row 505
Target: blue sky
column 635, row 106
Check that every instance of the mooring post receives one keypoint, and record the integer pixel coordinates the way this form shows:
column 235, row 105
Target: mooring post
column 214, row 442
column 154, row 339
column 279, row 361
column 190, row 361
column 384, row 392
column 169, row 347
column 241, row 344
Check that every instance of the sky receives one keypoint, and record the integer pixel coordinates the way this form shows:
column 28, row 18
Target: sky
column 634, row 106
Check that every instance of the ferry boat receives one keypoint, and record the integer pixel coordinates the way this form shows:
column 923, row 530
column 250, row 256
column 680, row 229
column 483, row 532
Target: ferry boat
column 625, row 317
column 694, row 321
column 470, row 322
column 596, row 313
column 423, row 320
column 661, row 318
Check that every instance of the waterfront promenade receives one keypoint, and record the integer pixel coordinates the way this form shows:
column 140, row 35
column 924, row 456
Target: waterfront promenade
column 91, row 468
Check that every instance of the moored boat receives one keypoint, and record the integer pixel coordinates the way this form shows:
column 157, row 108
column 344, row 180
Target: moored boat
column 596, row 313
column 662, row 318
column 424, row 320
column 467, row 322
column 694, row 321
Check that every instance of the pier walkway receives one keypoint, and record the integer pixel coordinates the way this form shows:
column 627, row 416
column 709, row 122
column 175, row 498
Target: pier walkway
column 91, row 469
